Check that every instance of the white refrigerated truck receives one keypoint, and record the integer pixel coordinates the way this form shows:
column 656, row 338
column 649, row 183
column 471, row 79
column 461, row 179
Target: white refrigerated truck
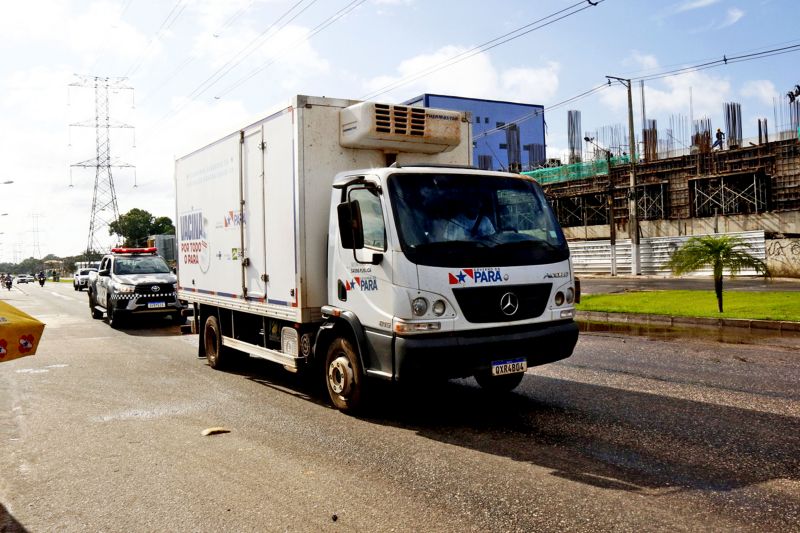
column 353, row 240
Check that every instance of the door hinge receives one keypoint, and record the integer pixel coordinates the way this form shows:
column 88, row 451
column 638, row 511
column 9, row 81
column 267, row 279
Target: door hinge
column 265, row 277
column 262, row 146
column 246, row 261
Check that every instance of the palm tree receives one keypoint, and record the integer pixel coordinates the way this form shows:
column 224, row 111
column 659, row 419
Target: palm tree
column 719, row 252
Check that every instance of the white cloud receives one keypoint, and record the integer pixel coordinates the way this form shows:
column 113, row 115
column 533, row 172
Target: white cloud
column 762, row 90
column 694, row 4
column 672, row 95
column 475, row 77
column 731, row 17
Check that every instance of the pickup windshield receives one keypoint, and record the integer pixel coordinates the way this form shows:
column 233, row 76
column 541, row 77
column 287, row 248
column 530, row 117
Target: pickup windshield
column 452, row 220
column 140, row 265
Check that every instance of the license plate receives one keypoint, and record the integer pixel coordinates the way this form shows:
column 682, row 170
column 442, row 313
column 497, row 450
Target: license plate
column 509, row 366
column 156, row 305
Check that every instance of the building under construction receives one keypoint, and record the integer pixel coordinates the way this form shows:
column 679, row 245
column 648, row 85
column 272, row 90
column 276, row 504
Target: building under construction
column 681, row 185
column 754, row 187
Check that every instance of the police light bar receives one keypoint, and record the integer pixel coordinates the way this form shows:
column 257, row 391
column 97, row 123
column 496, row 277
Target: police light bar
column 150, row 250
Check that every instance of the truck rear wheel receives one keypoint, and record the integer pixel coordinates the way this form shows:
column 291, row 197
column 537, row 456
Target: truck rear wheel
column 216, row 354
column 498, row 384
column 343, row 376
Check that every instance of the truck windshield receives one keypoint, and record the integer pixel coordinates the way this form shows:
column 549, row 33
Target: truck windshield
column 452, row 220
column 140, row 265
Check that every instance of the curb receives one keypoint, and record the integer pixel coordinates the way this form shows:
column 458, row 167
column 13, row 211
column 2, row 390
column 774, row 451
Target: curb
column 682, row 321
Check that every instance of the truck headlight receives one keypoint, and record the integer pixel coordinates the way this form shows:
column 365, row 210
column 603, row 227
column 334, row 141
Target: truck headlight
column 439, row 307
column 125, row 288
column 570, row 295
column 419, row 306
column 559, row 299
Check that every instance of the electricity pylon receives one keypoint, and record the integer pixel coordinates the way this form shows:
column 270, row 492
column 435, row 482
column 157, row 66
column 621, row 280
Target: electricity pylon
column 104, row 200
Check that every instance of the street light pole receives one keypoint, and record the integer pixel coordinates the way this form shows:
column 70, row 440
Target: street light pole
column 633, row 224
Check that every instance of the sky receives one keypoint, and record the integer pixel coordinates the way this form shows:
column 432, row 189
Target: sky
column 186, row 72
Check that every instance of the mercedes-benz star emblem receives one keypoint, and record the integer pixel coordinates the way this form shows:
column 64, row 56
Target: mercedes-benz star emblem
column 509, row 303
column 155, row 288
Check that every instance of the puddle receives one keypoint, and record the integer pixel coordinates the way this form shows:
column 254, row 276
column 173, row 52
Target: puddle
column 729, row 335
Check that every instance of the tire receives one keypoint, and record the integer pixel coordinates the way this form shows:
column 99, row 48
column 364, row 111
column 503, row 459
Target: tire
column 75, row 287
column 114, row 317
column 217, row 355
column 344, row 377
column 498, row 384
column 96, row 314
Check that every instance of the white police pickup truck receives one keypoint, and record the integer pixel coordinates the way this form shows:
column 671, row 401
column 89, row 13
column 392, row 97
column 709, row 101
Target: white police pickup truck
column 133, row 281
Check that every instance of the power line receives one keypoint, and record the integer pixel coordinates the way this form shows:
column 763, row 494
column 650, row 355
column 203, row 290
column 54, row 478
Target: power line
column 537, row 113
column 233, row 62
column 320, row 27
column 166, row 24
column 488, row 45
column 721, row 62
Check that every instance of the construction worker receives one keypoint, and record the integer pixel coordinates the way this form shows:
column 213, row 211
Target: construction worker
column 720, row 136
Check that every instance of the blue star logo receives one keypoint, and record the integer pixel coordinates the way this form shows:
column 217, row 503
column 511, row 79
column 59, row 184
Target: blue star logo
column 461, row 277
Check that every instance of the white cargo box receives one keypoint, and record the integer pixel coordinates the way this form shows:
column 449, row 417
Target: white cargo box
column 253, row 207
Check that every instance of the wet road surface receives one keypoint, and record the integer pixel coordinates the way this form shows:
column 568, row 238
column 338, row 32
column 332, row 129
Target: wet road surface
column 101, row 430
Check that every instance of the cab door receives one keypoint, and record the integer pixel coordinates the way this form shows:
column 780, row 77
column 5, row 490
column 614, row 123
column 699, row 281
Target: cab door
column 363, row 276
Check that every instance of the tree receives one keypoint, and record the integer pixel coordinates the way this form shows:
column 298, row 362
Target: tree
column 137, row 225
column 720, row 252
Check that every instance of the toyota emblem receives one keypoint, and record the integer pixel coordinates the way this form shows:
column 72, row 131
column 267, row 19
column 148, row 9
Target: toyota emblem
column 155, row 288
column 509, row 304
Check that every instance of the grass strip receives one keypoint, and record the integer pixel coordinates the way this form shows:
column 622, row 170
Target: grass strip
column 737, row 304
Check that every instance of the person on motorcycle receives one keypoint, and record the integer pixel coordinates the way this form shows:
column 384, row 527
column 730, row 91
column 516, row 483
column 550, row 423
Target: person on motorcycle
column 41, row 279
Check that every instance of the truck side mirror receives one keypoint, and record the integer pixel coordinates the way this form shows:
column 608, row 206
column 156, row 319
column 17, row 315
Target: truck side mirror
column 104, row 272
column 351, row 230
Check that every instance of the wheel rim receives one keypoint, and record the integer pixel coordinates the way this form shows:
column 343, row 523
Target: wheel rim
column 340, row 376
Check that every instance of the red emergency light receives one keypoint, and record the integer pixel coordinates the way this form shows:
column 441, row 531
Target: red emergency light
column 150, row 250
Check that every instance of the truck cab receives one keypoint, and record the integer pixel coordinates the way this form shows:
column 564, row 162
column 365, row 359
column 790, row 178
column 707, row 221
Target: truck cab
column 446, row 272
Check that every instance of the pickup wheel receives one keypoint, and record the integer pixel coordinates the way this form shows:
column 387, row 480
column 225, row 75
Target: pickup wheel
column 498, row 384
column 344, row 377
column 217, row 355
column 96, row 314
column 114, row 317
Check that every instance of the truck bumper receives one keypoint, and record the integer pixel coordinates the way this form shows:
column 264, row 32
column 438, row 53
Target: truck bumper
column 461, row 355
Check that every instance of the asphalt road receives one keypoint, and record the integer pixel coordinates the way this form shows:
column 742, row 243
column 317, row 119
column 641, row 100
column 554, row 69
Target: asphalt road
column 101, row 431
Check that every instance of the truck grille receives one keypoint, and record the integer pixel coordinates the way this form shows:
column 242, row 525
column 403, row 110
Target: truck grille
column 400, row 120
column 483, row 304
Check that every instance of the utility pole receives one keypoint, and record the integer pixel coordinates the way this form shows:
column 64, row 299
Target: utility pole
column 633, row 225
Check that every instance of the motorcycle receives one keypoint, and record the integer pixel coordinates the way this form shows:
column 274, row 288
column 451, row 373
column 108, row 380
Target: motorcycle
column 8, row 283
column 41, row 282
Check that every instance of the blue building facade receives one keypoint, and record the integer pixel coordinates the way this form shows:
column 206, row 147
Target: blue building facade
column 505, row 135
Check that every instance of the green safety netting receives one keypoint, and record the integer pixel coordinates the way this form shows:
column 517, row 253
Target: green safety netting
column 576, row 171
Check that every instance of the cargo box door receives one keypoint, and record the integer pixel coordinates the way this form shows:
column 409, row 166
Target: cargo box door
column 253, row 194
column 280, row 223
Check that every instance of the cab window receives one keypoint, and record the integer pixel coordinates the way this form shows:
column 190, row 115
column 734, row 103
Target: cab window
column 371, row 217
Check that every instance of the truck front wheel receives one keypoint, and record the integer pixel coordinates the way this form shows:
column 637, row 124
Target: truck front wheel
column 212, row 341
column 343, row 376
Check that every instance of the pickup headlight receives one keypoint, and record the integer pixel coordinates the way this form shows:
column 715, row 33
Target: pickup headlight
column 125, row 288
